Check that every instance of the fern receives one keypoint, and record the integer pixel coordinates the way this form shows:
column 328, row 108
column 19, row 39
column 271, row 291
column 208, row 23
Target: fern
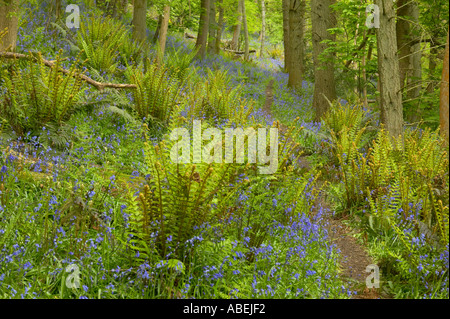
column 101, row 40
column 156, row 95
column 37, row 96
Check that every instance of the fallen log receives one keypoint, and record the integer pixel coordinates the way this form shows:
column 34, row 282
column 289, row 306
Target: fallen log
column 239, row 52
column 98, row 85
column 190, row 36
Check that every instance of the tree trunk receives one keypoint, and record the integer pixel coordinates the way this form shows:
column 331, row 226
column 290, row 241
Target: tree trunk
column 158, row 28
column 410, row 55
column 296, row 33
column 220, row 27
column 287, row 50
column 212, row 26
column 244, row 23
column 202, row 37
column 388, row 69
column 163, row 36
column 57, row 9
column 237, row 29
column 8, row 19
column 403, row 31
column 263, row 26
column 432, row 67
column 140, row 20
column 443, row 108
column 408, row 52
column 322, row 19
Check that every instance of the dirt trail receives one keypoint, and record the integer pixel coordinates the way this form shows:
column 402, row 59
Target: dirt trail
column 353, row 256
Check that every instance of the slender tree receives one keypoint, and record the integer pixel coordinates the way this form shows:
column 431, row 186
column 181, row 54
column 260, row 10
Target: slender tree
column 9, row 20
column 163, row 35
column 244, row 24
column 140, row 20
column 263, row 26
column 443, row 109
column 237, row 28
column 220, row 26
column 388, row 70
column 324, row 85
column 287, row 50
column 203, row 27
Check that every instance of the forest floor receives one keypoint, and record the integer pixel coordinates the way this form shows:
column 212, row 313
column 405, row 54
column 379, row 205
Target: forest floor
column 353, row 256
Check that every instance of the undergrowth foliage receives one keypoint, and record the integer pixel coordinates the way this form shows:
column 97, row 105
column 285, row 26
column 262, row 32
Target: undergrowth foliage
column 156, row 95
column 100, row 41
column 401, row 187
column 37, row 95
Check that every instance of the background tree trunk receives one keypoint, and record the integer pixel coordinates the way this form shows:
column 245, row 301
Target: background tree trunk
column 287, row 50
column 296, row 33
column 388, row 69
column 219, row 27
column 212, row 26
column 322, row 19
column 263, row 26
column 163, row 36
column 443, row 108
column 244, row 23
column 158, row 28
column 237, row 28
column 202, row 37
column 9, row 19
column 140, row 20
column 409, row 53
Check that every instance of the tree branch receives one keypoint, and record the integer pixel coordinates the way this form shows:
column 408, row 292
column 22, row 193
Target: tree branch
column 98, row 85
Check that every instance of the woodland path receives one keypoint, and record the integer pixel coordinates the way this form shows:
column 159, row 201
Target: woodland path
column 353, row 256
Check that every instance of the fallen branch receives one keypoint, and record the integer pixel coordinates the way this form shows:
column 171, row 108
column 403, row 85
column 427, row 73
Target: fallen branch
column 239, row 52
column 190, row 36
column 98, row 85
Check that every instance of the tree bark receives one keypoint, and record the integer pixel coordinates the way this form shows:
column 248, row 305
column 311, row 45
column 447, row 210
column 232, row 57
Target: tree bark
column 388, row 69
column 444, row 96
column 237, row 28
column 296, row 33
column 202, row 37
column 140, row 20
column 9, row 20
column 163, row 35
column 263, row 26
column 322, row 19
column 410, row 54
column 244, row 23
column 219, row 27
column 287, row 50
column 212, row 26
column 158, row 28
